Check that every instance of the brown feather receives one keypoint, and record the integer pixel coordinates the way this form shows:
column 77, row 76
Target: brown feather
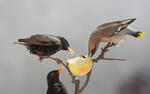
column 106, row 24
column 94, row 42
column 40, row 40
column 100, row 34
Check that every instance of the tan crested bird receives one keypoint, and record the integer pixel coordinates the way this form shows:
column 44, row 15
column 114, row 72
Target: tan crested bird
column 113, row 32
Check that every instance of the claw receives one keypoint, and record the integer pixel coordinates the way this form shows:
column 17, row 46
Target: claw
column 40, row 59
column 58, row 61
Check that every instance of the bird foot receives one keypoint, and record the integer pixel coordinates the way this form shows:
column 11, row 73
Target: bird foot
column 40, row 59
column 58, row 61
column 113, row 44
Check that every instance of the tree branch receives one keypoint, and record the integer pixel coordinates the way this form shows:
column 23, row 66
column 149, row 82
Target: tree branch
column 76, row 81
column 77, row 86
column 100, row 57
column 86, row 82
column 105, row 50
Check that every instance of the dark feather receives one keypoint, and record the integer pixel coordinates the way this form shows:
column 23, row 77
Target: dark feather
column 42, row 40
column 45, row 45
column 54, row 84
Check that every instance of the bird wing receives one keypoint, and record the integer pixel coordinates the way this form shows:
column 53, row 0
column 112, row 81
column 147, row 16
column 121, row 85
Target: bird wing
column 98, row 35
column 105, row 31
column 60, row 88
column 121, row 24
column 108, row 23
column 43, row 40
column 108, row 30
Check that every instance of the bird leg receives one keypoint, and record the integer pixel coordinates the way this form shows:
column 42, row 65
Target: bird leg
column 56, row 59
column 40, row 58
column 113, row 44
column 105, row 50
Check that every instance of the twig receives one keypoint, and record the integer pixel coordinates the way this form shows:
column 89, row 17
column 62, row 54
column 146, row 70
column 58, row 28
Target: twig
column 86, row 82
column 76, row 81
column 105, row 50
column 97, row 59
column 77, row 86
column 100, row 57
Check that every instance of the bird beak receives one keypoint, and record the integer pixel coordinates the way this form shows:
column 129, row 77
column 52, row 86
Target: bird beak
column 70, row 51
column 60, row 69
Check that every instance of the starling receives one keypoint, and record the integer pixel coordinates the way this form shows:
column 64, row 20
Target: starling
column 54, row 84
column 45, row 45
column 113, row 32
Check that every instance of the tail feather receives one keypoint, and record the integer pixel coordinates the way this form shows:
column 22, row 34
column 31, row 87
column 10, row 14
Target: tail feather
column 131, row 20
column 128, row 21
column 125, row 23
column 136, row 34
column 22, row 40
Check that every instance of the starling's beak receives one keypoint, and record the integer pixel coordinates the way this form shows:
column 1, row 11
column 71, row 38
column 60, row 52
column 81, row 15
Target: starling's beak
column 60, row 69
column 140, row 35
column 70, row 51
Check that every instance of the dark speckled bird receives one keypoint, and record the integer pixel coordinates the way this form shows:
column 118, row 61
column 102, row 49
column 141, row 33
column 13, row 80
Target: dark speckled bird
column 54, row 84
column 113, row 32
column 45, row 45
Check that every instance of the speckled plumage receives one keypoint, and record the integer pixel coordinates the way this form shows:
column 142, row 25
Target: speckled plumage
column 44, row 45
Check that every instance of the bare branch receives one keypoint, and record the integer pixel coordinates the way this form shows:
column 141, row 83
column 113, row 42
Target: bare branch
column 77, row 86
column 86, row 82
column 105, row 50
column 97, row 59
column 70, row 73
column 100, row 57
column 76, row 81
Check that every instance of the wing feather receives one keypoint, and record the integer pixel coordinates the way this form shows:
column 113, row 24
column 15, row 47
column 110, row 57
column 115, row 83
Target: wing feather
column 109, row 30
column 43, row 40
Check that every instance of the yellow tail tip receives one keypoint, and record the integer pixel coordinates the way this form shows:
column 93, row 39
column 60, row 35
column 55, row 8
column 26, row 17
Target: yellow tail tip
column 140, row 35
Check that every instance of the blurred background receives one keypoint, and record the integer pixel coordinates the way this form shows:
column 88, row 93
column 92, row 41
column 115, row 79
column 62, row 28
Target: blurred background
column 22, row 73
